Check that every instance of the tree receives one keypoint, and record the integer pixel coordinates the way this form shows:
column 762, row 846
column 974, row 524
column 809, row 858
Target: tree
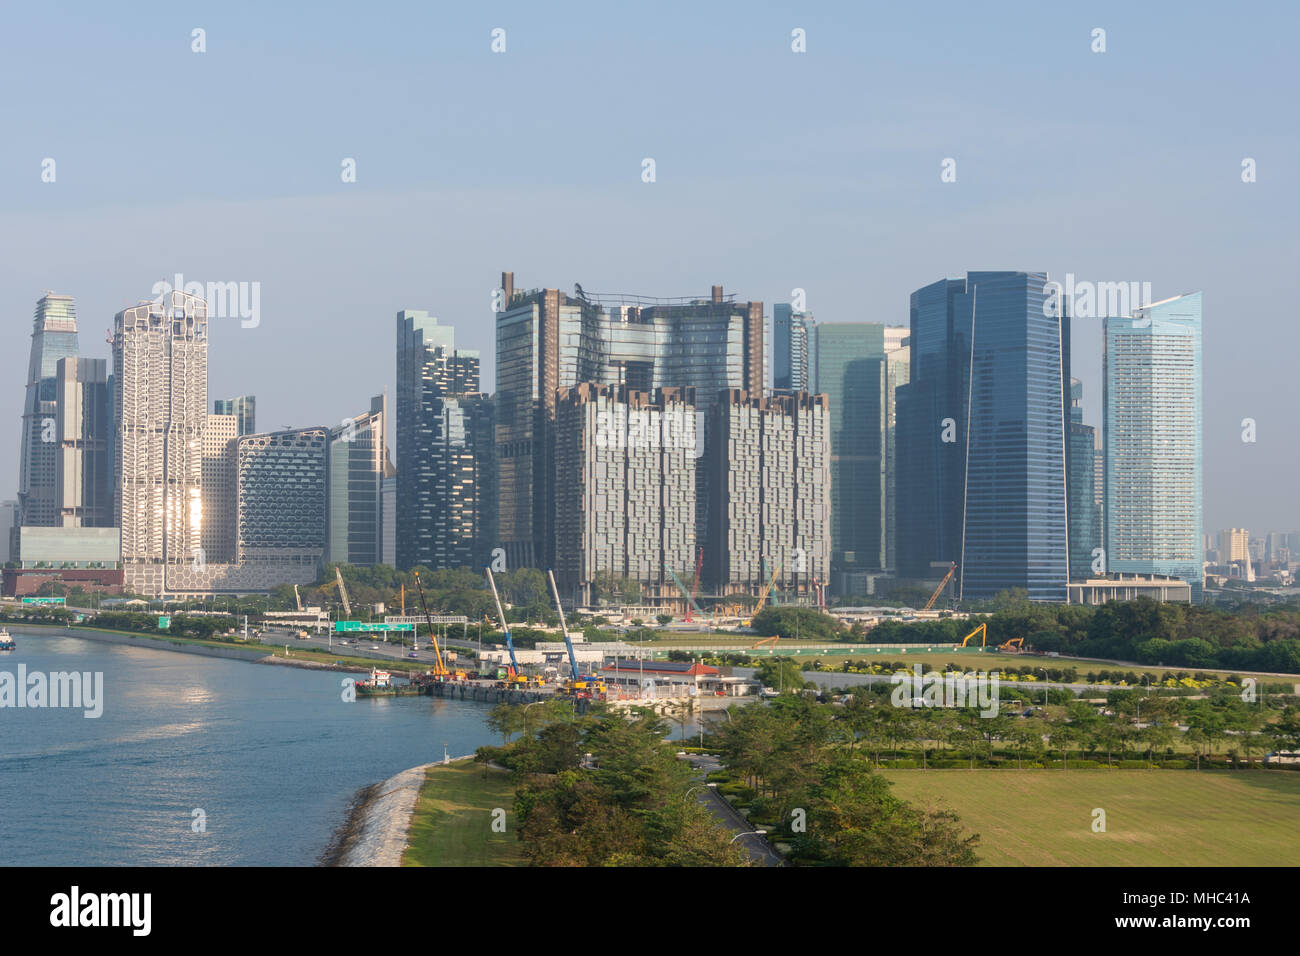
column 780, row 673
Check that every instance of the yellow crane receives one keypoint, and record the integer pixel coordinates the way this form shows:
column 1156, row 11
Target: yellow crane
column 983, row 631
column 939, row 590
column 762, row 596
column 765, row 641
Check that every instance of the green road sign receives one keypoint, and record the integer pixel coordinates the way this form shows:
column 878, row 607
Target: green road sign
column 164, row 622
column 44, row 600
column 351, row 627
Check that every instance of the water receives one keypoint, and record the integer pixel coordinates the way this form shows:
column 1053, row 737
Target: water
column 272, row 755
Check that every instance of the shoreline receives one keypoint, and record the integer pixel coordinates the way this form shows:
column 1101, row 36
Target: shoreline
column 374, row 832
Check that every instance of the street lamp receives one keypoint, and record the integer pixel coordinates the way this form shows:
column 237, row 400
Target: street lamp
column 748, row 833
column 1043, row 670
column 698, row 786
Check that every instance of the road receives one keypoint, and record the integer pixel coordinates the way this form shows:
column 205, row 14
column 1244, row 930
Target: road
column 759, row 849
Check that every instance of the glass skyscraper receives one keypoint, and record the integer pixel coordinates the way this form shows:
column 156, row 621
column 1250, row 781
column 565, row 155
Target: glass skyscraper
column 1151, row 408
column 794, row 343
column 1085, row 506
column 982, row 437
column 54, row 337
column 243, row 407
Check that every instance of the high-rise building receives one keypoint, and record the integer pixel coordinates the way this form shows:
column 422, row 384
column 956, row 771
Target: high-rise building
column 982, row 437
column 1152, row 436
column 243, row 407
column 445, row 508
column 219, row 489
column 851, row 369
column 358, row 457
column 54, row 337
column 547, row 341
column 1084, row 504
column 625, row 488
column 160, row 399
column 771, row 508
column 84, row 442
column 898, row 366
column 794, row 345
column 282, row 501
column 1234, row 545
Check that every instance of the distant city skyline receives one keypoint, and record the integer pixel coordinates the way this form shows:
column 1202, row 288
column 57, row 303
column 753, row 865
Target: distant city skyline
column 843, row 202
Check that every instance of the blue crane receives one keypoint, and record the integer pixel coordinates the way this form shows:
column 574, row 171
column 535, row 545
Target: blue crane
column 514, row 661
column 573, row 658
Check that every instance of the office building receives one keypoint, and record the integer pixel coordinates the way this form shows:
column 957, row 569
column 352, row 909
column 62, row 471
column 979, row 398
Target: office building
column 84, row 444
column 219, row 493
column 281, row 490
column 54, row 337
column 243, row 408
column 358, row 457
column 1152, row 437
column 446, row 514
column 982, row 437
column 547, row 340
column 1084, row 504
column 898, row 366
column 794, row 344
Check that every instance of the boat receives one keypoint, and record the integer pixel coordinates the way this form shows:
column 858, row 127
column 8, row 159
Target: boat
column 6, row 642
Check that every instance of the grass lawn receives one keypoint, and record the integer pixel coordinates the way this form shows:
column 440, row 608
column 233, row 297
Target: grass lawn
column 452, row 823
column 1153, row 818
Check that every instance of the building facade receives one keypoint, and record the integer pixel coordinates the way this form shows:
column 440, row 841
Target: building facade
column 446, row 516
column 1152, row 437
column 546, row 341
column 243, row 408
column 84, row 443
column 982, row 437
column 1085, row 504
column 282, row 500
column 771, row 509
column 625, row 484
column 358, row 458
column 160, row 385
column 219, row 493
column 794, row 343
column 54, row 337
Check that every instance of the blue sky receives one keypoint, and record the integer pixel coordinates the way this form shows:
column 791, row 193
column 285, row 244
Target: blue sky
column 775, row 170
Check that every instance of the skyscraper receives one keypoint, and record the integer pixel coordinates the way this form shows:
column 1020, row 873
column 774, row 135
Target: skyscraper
column 771, row 508
column 850, row 368
column 1151, row 406
column 625, row 486
column 160, row 387
column 898, row 366
column 794, row 345
column 219, row 489
column 84, row 439
column 547, row 341
column 358, row 454
column 444, row 449
column 282, row 502
column 243, row 407
column 1084, row 504
column 54, row 337
column 982, row 437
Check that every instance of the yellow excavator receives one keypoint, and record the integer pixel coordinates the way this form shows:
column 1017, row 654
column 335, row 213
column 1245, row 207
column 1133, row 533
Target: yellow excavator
column 764, row 642
column 983, row 631
column 1015, row 644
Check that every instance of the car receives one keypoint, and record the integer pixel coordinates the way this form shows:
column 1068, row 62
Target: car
column 374, row 647
column 412, row 654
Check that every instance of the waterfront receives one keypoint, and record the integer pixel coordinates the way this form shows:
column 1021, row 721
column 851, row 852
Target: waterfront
column 271, row 756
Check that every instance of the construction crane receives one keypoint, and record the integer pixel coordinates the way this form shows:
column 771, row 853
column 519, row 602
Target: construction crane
column 343, row 592
column 762, row 596
column 513, row 675
column 983, row 631
column 439, row 668
column 765, row 641
column 939, row 590
column 578, row 685
column 297, row 597
column 681, row 586
column 695, row 585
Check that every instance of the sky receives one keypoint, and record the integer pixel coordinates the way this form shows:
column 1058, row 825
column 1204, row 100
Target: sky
column 774, row 170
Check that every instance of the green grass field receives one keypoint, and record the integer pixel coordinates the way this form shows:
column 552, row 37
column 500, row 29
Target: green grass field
column 452, row 823
column 1153, row 818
